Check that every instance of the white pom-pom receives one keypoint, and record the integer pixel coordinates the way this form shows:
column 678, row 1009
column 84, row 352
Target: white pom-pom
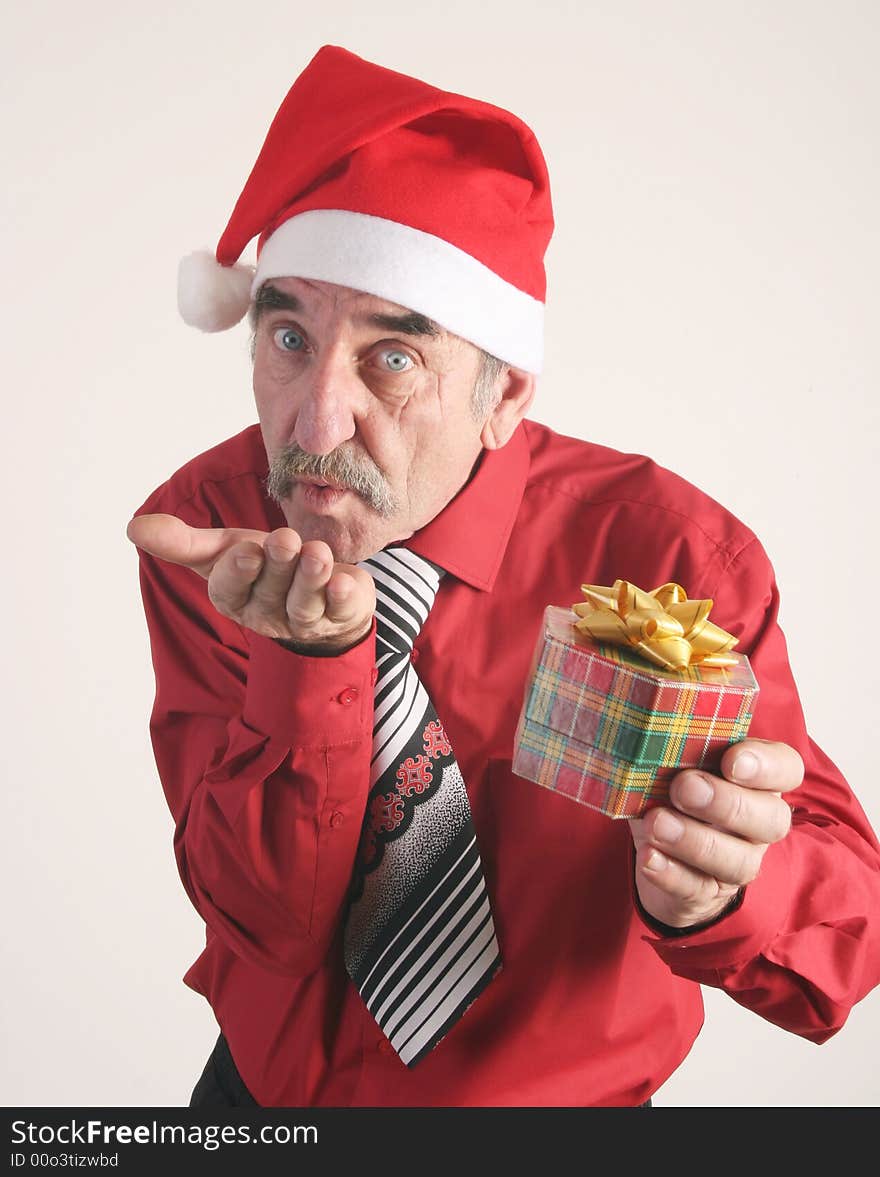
column 210, row 296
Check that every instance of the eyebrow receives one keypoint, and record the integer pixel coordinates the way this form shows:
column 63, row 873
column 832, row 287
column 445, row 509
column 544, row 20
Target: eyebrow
column 412, row 323
column 269, row 297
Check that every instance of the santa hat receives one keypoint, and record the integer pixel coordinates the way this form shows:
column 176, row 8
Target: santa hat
column 378, row 181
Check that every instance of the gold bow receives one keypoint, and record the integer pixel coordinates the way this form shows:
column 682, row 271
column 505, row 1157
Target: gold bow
column 663, row 624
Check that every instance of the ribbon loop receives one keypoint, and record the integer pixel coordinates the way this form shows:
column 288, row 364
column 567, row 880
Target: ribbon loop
column 662, row 625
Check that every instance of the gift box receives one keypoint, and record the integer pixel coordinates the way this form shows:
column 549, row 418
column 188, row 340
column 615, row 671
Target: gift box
column 604, row 726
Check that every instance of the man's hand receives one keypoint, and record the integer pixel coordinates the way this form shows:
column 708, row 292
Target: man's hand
column 693, row 856
column 269, row 582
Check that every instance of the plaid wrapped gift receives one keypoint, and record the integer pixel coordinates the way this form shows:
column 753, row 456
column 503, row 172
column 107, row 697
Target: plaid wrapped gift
column 601, row 725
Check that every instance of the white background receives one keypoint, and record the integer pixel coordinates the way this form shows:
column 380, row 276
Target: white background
column 712, row 302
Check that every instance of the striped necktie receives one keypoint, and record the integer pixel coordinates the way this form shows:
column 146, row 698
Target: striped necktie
column 420, row 941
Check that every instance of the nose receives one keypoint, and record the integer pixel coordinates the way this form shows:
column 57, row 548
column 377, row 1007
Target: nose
column 330, row 392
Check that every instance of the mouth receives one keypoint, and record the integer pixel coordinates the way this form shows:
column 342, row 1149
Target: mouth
column 317, row 493
column 320, row 483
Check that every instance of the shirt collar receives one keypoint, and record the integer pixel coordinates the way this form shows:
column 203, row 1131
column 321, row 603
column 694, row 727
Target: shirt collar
column 469, row 536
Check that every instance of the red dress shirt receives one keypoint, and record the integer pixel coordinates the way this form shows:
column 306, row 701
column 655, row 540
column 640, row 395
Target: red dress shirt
column 263, row 755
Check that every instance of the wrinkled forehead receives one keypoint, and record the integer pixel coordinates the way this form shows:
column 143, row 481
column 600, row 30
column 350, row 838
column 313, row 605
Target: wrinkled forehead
column 313, row 297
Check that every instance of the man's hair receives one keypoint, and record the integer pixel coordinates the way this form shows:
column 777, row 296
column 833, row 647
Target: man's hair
column 484, row 395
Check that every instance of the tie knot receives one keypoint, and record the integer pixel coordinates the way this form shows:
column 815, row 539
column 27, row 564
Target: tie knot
column 406, row 585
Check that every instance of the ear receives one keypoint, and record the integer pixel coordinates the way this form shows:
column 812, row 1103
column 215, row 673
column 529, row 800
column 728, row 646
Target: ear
column 517, row 391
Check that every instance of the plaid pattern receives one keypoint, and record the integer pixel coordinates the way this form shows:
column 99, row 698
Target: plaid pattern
column 602, row 726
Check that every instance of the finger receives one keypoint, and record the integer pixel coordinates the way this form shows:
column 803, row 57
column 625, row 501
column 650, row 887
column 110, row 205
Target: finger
column 198, row 548
column 269, row 592
column 763, row 764
column 693, row 892
column 306, row 601
column 350, row 597
column 703, row 848
column 746, row 812
column 233, row 575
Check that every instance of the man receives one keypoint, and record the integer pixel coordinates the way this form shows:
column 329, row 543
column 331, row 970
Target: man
column 343, row 605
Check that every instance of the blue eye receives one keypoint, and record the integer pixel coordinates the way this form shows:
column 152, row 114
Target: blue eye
column 397, row 361
column 287, row 339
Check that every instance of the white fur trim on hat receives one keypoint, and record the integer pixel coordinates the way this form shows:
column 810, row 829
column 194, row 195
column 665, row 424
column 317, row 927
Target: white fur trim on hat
column 414, row 269
column 210, row 296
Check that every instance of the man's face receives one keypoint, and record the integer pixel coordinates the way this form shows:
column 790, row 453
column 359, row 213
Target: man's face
column 388, row 409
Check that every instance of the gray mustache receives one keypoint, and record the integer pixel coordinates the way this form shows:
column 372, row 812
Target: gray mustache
column 344, row 466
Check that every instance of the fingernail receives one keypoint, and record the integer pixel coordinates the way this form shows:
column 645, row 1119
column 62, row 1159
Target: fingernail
column 280, row 555
column 667, row 827
column 656, row 861
column 248, row 563
column 311, row 564
column 695, row 791
column 745, row 767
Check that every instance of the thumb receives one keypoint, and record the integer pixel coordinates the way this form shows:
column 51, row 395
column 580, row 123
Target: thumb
column 198, row 548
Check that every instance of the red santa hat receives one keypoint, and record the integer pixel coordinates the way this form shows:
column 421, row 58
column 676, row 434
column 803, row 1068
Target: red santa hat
column 378, row 181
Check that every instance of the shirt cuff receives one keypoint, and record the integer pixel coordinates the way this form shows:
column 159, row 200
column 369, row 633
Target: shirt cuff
column 734, row 936
column 307, row 701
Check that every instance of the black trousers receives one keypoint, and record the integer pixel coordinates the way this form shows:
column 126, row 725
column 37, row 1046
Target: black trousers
column 221, row 1086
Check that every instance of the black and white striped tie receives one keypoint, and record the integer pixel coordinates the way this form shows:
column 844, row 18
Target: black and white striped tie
column 420, row 941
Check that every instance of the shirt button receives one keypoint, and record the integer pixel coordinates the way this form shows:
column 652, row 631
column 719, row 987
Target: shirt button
column 414, row 657
column 347, row 696
column 374, row 675
column 336, row 819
